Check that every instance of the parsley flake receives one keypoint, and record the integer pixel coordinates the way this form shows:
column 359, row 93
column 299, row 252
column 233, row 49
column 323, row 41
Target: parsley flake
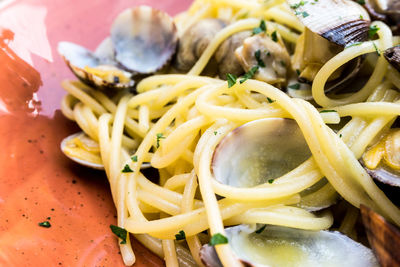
column 361, row 2
column 376, row 49
column 295, row 86
column 249, row 74
column 181, row 235
column 270, row 100
column 261, row 28
column 340, row 135
column 215, row 132
column 260, row 62
column 372, row 31
column 270, row 181
column 134, row 158
column 261, row 229
column 126, row 169
column 159, row 137
column 327, row 111
column 305, row 14
column 218, row 239
column 352, row 44
column 274, row 36
column 231, row 79
column 120, row 232
column 45, row 224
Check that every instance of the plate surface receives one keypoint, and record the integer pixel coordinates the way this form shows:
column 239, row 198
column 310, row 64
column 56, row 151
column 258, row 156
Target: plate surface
column 37, row 182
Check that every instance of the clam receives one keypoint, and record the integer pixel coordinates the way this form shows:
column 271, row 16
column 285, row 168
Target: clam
column 142, row 41
column 282, row 246
column 258, row 152
column 83, row 150
column 383, row 237
column 385, row 10
column 226, row 62
column 194, row 41
column 393, row 56
column 269, row 53
column 382, row 160
column 330, row 26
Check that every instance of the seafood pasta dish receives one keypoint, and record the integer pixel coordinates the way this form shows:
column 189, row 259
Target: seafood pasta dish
column 243, row 132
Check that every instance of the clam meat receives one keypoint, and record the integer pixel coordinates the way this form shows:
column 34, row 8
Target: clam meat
column 392, row 55
column 283, row 246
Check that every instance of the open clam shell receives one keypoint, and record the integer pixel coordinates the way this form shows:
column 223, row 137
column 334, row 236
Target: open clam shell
column 259, row 151
column 95, row 69
column 392, row 55
column 282, row 246
column 144, row 39
column 383, row 237
column 340, row 21
column 89, row 154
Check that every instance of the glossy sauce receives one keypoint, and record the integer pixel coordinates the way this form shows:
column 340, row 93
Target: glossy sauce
column 37, row 182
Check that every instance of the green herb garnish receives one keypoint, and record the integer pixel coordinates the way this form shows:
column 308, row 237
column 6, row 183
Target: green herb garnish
column 274, row 36
column 126, row 169
column 231, row 79
column 361, row 2
column 327, row 110
column 295, row 6
column 261, row 28
column 120, row 232
column 260, row 62
column 376, row 49
column 45, row 224
column 218, row 239
column 305, row 14
column 352, row 44
column 262, row 228
column 249, row 74
column 215, row 132
column 134, row 158
column 298, row 72
column 270, row 100
column 295, row 86
column 372, row 31
column 270, row 181
column 181, row 235
column 159, row 137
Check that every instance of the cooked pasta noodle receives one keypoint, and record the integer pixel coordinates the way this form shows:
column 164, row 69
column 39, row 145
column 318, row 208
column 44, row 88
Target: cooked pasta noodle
column 172, row 120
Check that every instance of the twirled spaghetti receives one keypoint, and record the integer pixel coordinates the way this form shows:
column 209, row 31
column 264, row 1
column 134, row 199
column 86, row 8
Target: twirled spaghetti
column 172, row 122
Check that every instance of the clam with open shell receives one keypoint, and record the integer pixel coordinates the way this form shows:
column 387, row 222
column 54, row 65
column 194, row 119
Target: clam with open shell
column 282, row 246
column 142, row 41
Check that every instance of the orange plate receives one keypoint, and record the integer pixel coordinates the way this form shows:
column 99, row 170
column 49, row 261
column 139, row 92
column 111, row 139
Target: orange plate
column 37, row 182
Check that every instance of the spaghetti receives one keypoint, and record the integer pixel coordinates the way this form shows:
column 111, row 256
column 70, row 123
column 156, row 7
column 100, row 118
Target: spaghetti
column 172, row 122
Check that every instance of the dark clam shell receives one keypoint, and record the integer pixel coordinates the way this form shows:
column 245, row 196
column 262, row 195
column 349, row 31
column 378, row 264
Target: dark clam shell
column 383, row 237
column 393, row 56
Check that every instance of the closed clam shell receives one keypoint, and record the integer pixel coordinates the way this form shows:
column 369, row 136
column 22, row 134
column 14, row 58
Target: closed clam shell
column 340, row 21
column 144, row 39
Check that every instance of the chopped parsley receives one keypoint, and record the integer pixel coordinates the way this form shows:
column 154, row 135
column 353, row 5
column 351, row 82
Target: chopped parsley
column 260, row 62
column 126, row 169
column 270, row 181
column 159, row 137
column 270, row 100
column 134, row 158
column 274, row 36
column 327, row 110
column 218, row 239
column 352, row 44
column 376, row 49
column 181, row 235
column 361, row 2
column 231, row 79
column 295, row 86
column 361, row 16
column 261, row 229
column 249, row 74
column 261, row 28
column 340, row 135
column 215, row 132
column 120, row 232
column 296, row 6
column 305, row 14
column 45, row 224
column 372, row 31
column 298, row 72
